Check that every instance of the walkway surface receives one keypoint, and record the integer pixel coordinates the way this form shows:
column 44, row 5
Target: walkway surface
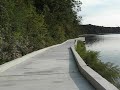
column 55, row 69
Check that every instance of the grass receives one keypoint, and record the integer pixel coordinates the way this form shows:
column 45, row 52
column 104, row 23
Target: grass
column 107, row 70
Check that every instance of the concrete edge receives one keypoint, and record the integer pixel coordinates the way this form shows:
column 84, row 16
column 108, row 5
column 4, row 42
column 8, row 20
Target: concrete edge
column 14, row 62
column 93, row 77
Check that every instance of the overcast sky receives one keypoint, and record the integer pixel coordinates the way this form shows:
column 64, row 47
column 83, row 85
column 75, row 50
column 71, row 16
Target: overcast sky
column 101, row 12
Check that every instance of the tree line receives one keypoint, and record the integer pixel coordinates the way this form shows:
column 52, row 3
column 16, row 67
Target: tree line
column 29, row 25
column 93, row 29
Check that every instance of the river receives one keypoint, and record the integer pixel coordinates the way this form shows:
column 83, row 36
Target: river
column 108, row 47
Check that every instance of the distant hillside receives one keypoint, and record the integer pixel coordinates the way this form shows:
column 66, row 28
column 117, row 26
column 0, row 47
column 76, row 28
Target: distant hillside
column 93, row 29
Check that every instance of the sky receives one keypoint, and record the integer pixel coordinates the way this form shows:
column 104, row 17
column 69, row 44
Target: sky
column 101, row 12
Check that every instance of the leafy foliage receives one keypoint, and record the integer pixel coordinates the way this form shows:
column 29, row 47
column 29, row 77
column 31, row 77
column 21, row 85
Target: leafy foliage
column 28, row 25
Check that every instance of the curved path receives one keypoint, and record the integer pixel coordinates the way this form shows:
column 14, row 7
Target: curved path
column 54, row 69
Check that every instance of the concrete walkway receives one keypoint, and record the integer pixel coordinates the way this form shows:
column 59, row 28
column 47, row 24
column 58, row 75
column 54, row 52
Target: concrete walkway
column 55, row 69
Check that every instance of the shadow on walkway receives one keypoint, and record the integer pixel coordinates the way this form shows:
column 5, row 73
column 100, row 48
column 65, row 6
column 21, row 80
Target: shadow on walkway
column 76, row 76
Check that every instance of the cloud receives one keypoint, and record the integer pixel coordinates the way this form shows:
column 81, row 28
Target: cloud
column 101, row 12
column 90, row 2
column 110, row 18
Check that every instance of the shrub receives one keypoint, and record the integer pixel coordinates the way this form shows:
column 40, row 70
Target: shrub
column 107, row 70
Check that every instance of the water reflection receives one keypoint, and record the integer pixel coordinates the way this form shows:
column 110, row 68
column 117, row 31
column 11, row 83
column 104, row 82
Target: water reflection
column 107, row 45
column 92, row 39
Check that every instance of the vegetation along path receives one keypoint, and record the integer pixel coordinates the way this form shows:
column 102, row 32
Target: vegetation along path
column 54, row 69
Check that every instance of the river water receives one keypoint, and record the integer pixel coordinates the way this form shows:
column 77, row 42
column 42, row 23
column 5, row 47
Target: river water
column 108, row 47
